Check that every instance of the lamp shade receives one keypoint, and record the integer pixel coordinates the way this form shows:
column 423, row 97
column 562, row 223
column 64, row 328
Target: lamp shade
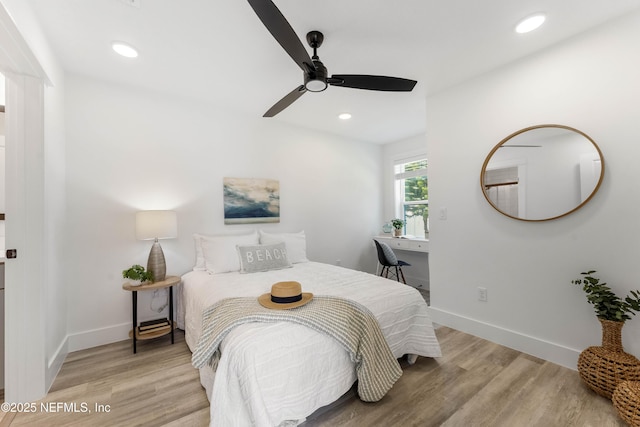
column 151, row 225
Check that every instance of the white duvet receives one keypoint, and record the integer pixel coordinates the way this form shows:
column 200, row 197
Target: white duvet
column 279, row 373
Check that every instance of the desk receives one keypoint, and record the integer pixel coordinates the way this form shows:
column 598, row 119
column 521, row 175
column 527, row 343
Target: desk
column 413, row 245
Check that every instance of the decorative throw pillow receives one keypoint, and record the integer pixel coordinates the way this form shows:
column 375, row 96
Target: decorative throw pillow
column 389, row 254
column 220, row 254
column 296, row 244
column 263, row 257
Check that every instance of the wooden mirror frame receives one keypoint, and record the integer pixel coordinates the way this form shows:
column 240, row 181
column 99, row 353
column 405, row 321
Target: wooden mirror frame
column 521, row 131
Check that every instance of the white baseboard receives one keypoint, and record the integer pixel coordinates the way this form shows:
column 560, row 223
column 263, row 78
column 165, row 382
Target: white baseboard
column 554, row 353
column 55, row 363
column 100, row 336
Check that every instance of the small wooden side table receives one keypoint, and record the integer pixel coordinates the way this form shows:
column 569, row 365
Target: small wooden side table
column 168, row 282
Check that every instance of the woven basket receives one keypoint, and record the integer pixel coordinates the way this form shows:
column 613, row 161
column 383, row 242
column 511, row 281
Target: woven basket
column 626, row 399
column 612, row 335
column 603, row 368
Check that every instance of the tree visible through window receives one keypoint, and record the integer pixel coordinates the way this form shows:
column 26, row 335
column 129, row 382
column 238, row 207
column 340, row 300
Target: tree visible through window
column 412, row 196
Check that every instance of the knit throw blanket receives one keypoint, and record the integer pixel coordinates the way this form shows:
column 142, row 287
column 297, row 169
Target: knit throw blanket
column 350, row 323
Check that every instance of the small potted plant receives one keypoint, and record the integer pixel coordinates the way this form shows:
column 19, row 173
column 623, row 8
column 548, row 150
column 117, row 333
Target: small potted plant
column 603, row 367
column 398, row 225
column 137, row 274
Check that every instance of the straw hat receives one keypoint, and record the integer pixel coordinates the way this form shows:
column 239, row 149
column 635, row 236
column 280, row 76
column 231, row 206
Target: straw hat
column 285, row 295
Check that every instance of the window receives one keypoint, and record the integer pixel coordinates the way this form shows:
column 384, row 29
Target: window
column 412, row 195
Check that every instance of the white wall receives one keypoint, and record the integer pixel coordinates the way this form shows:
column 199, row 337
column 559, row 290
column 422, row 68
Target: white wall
column 129, row 150
column 589, row 83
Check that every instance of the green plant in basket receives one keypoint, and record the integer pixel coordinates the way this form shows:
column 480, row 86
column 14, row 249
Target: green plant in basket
column 137, row 272
column 608, row 305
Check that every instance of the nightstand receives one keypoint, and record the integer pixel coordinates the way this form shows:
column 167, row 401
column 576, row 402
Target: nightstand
column 169, row 282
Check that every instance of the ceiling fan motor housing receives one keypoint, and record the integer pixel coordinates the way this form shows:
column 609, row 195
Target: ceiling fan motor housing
column 316, row 80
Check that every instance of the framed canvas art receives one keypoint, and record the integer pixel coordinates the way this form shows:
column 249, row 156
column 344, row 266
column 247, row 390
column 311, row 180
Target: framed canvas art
column 251, row 200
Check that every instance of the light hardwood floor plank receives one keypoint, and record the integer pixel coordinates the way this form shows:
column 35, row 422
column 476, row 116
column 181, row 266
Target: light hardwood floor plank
column 478, row 383
column 475, row 383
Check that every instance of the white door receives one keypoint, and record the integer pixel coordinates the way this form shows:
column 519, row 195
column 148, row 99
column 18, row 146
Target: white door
column 2, row 228
column 24, row 282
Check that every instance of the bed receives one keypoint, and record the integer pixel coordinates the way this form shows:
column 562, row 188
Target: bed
column 277, row 374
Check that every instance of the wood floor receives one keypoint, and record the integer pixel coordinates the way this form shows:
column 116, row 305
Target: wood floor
column 475, row 383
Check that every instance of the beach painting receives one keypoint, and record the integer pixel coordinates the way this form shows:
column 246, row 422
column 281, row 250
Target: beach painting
column 251, row 200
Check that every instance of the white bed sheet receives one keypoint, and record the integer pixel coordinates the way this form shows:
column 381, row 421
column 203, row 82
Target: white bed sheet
column 279, row 373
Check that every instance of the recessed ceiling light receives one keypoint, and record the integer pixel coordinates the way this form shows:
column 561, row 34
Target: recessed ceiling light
column 344, row 116
column 124, row 49
column 530, row 23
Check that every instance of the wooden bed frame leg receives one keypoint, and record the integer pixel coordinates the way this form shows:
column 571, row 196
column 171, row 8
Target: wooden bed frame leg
column 411, row 358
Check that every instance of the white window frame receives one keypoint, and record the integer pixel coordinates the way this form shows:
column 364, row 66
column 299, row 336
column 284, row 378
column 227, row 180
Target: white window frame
column 398, row 187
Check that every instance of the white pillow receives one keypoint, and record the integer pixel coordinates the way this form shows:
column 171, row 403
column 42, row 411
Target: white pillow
column 200, row 265
column 220, row 254
column 197, row 239
column 263, row 258
column 296, row 244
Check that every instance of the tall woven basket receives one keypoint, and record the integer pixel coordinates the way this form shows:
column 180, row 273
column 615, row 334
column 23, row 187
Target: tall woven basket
column 602, row 368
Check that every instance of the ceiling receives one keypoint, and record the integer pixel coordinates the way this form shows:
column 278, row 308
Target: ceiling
column 220, row 52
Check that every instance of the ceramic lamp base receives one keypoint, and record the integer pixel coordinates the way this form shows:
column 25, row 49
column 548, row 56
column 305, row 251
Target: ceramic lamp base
column 156, row 263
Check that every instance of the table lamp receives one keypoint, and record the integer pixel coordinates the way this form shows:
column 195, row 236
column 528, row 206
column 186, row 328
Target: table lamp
column 154, row 225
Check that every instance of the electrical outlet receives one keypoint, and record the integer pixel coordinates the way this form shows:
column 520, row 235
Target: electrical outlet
column 482, row 294
column 338, row 262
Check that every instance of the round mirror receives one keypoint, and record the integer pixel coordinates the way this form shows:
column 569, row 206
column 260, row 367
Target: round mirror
column 542, row 172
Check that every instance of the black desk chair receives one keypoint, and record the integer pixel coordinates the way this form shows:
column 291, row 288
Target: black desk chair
column 387, row 258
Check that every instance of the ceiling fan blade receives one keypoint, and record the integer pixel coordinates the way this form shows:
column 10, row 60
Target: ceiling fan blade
column 363, row 81
column 289, row 99
column 281, row 30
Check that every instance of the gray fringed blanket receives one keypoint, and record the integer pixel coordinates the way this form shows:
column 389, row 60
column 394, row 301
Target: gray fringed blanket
column 350, row 323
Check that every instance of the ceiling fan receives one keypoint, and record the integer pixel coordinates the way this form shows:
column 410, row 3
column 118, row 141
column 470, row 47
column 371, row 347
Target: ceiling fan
column 316, row 78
